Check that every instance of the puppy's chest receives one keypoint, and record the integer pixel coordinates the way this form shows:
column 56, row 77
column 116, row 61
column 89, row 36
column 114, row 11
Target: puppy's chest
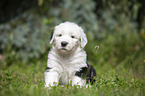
column 70, row 66
column 67, row 67
column 68, row 71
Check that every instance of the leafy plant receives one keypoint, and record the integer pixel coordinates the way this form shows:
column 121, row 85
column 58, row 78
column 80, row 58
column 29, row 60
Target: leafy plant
column 27, row 37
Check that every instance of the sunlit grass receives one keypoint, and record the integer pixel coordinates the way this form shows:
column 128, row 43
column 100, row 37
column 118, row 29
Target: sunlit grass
column 23, row 79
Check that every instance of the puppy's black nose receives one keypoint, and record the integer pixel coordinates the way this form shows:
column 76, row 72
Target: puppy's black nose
column 63, row 43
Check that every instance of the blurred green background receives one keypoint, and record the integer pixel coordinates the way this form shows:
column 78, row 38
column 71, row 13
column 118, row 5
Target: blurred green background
column 116, row 26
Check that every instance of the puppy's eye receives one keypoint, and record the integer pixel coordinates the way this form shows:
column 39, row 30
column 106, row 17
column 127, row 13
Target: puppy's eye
column 72, row 36
column 59, row 35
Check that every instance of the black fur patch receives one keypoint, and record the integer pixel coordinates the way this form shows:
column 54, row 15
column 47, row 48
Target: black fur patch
column 87, row 72
column 47, row 69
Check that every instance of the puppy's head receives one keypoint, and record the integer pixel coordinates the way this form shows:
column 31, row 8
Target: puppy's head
column 67, row 37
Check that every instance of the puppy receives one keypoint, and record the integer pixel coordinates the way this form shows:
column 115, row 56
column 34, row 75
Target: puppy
column 67, row 60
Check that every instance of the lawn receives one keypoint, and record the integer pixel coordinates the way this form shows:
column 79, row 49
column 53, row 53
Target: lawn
column 20, row 79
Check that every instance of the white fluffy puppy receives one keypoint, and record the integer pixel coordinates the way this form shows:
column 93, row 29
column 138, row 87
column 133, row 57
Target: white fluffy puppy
column 67, row 60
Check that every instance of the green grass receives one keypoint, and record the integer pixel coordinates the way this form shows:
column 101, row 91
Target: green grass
column 28, row 80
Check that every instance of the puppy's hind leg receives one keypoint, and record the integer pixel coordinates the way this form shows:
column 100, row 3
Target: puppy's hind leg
column 78, row 81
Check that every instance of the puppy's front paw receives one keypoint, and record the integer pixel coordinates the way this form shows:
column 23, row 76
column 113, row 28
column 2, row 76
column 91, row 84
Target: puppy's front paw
column 47, row 86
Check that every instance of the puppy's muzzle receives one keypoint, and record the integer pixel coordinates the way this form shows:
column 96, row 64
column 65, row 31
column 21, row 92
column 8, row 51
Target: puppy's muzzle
column 63, row 43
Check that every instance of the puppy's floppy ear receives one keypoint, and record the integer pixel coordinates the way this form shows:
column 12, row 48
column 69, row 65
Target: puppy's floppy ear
column 53, row 35
column 84, row 40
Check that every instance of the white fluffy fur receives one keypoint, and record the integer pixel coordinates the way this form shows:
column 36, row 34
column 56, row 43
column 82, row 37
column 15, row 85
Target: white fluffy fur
column 66, row 61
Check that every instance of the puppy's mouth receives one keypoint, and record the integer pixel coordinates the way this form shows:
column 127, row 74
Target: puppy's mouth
column 63, row 49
